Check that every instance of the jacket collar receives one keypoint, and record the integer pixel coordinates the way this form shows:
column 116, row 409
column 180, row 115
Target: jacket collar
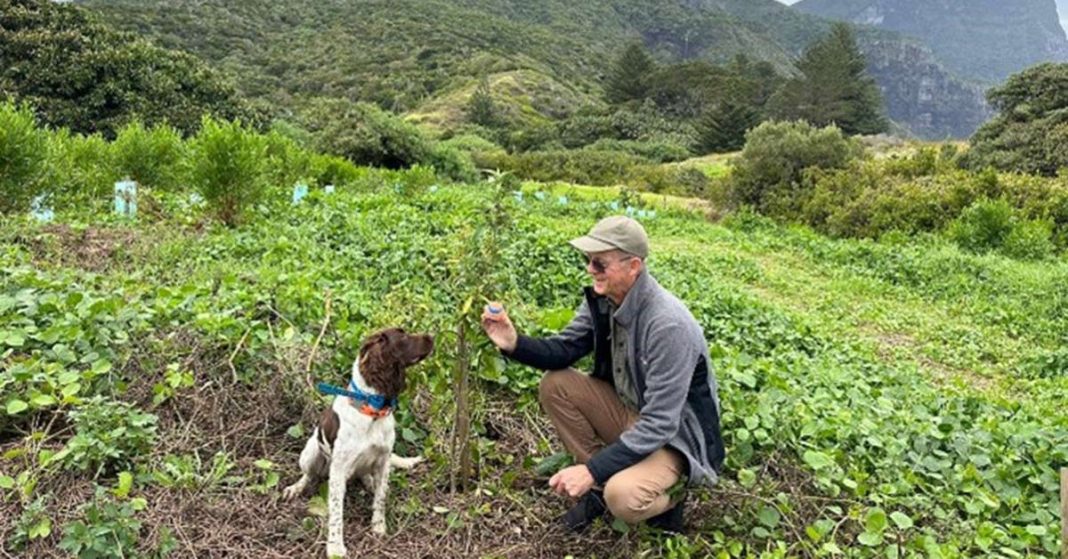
column 628, row 311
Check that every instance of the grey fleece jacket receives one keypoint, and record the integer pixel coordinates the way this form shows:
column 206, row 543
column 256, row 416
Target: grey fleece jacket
column 668, row 358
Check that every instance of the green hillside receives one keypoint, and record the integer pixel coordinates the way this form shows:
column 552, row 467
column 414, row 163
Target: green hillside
column 413, row 56
column 401, row 54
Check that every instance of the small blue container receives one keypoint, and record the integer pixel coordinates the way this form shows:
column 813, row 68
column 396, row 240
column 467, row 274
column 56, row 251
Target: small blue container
column 126, row 198
column 300, row 190
column 40, row 209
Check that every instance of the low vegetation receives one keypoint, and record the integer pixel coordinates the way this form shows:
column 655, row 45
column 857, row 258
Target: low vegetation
column 900, row 397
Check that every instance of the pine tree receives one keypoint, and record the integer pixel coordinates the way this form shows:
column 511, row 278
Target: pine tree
column 628, row 78
column 833, row 87
column 480, row 108
column 723, row 127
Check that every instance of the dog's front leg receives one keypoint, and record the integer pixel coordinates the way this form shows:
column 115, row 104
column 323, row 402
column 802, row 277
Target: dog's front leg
column 340, row 468
column 381, row 481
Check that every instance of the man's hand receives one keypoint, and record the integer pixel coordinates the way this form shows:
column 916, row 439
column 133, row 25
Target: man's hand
column 499, row 327
column 573, row 481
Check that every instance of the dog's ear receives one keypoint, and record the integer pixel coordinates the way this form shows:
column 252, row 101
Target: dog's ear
column 381, row 363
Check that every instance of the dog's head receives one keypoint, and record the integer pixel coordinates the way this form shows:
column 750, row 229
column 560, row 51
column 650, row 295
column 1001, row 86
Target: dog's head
column 386, row 354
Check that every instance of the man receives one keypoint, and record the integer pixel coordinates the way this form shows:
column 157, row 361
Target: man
column 648, row 415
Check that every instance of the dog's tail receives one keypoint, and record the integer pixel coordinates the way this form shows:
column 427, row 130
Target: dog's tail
column 402, row 462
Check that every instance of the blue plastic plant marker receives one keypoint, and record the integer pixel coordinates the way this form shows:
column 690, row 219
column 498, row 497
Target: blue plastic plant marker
column 126, row 198
column 614, row 205
column 562, row 200
column 41, row 210
column 652, row 214
column 300, row 190
column 329, row 189
column 539, row 195
column 628, row 210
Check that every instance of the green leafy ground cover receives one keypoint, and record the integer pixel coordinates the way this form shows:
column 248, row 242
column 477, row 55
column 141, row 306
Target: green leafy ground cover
column 880, row 399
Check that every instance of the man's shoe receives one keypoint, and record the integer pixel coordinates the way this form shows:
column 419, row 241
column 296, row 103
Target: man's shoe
column 589, row 508
column 670, row 520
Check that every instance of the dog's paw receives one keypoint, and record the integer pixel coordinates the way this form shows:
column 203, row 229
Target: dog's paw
column 335, row 550
column 292, row 491
column 403, row 463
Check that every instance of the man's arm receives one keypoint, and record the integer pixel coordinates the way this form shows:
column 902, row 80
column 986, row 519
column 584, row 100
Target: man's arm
column 560, row 350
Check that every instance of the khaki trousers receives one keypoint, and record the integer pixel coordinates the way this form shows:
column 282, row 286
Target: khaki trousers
column 588, row 415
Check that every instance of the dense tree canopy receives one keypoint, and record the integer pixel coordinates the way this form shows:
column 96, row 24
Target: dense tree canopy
column 80, row 74
column 1031, row 132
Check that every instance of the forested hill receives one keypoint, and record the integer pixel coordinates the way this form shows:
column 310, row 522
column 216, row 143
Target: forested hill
column 399, row 53
column 414, row 56
column 982, row 39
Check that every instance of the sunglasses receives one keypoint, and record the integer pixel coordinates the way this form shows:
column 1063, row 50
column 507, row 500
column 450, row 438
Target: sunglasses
column 599, row 265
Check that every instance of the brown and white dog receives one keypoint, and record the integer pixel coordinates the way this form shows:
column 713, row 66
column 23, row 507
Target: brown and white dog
column 355, row 436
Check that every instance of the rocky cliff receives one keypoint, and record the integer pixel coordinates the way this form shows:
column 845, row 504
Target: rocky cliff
column 921, row 94
column 985, row 40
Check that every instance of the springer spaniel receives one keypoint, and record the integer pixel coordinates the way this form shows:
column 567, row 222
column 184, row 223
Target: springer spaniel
column 355, row 435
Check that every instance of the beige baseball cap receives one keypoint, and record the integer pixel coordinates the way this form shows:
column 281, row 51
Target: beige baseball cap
column 617, row 232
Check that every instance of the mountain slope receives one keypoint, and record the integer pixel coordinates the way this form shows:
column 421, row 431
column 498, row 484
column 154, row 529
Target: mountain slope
column 400, row 53
column 921, row 94
column 424, row 56
column 982, row 39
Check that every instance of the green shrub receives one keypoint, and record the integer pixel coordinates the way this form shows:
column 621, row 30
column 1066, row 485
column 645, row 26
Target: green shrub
column 23, row 149
column 768, row 174
column 660, row 151
column 288, row 162
column 331, row 169
column 922, row 162
column 470, row 143
column 149, row 156
column 453, row 163
column 644, row 123
column 366, row 135
column 1029, row 240
column 80, row 171
column 229, row 167
column 108, row 436
column 534, row 136
column 984, row 226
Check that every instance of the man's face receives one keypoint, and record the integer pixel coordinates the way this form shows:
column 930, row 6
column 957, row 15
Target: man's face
column 613, row 273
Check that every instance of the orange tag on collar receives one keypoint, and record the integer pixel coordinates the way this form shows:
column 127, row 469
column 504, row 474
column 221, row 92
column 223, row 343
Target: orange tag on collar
column 366, row 409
